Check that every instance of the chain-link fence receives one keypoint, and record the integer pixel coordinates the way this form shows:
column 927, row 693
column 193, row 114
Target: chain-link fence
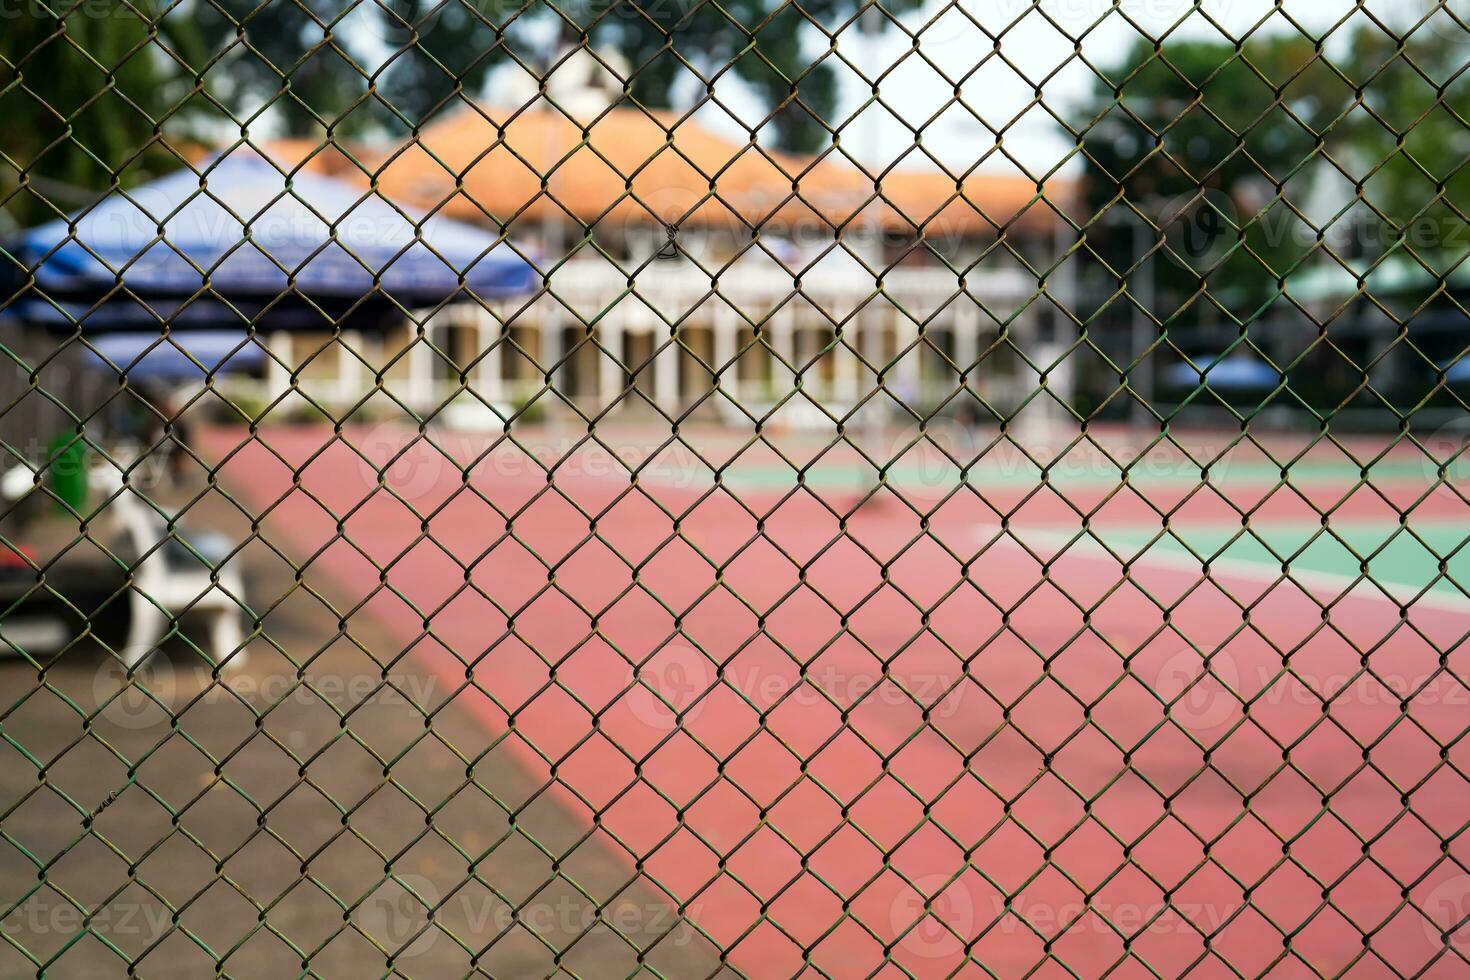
column 755, row 488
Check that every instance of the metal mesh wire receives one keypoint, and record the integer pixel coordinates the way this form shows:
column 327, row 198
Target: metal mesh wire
column 962, row 489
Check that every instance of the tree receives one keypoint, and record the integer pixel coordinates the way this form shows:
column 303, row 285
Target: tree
column 296, row 62
column 1410, row 143
column 396, row 63
column 117, row 75
column 1266, row 164
column 86, row 91
column 1215, row 147
column 1258, row 132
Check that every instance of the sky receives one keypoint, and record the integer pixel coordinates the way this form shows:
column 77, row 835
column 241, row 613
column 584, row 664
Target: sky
column 1038, row 48
column 1032, row 52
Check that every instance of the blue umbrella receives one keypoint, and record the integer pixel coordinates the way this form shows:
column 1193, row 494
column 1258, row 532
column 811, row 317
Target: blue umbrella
column 1456, row 372
column 244, row 233
column 149, row 356
column 1231, row 373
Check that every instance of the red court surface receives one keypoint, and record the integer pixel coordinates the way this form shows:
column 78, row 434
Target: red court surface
column 924, row 734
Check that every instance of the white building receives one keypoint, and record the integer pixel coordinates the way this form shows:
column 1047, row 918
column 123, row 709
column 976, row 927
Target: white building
column 679, row 262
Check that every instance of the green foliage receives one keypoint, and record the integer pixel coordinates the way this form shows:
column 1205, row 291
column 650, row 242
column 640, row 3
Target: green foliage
column 1411, row 141
column 436, row 51
column 86, row 90
column 1210, row 143
column 296, row 59
column 422, row 56
column 91, row 91
column 1246, row 160
column 766, row 42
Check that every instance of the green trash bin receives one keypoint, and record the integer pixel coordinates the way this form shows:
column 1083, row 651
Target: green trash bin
column 67, row 475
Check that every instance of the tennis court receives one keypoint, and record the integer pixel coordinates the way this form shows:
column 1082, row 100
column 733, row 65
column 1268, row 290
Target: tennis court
column 847, row 488
column 987, row 709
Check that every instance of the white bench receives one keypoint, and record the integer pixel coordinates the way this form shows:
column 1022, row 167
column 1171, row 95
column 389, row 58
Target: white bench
column 173, row 575
column 177, row 574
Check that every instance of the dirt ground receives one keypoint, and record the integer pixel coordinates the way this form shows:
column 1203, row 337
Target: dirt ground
column 270, row 823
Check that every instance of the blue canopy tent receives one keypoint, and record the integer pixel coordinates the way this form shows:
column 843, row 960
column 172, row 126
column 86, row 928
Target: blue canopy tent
column 1237, row 373
column 187, row 356
column 1456, row 372
column 240, row 242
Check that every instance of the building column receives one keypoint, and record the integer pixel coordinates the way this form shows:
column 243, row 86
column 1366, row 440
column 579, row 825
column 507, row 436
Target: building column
column 909, row 380
column 278, row 376
column 966, row 326
column 726, row 329
column 611, row 378
column 1062, row 287
column 551, row 351
column 421, row 366
column 783, row 342
column 1141, row 287
column 872, row 418
column 846, row 371
column 349, row 366
column 870, row 337
column 666, row 394
column 488, row 378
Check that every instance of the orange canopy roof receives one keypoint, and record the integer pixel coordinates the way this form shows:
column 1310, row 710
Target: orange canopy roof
column 635, row 166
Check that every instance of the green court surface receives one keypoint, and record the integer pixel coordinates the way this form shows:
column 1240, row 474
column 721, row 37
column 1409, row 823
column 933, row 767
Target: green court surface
column 1404, row 561
column 1011, row 471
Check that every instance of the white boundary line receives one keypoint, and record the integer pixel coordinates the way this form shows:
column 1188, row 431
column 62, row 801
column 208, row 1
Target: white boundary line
column 1328, row 586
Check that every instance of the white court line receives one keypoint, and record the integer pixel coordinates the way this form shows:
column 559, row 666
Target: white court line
column 1328, row 586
